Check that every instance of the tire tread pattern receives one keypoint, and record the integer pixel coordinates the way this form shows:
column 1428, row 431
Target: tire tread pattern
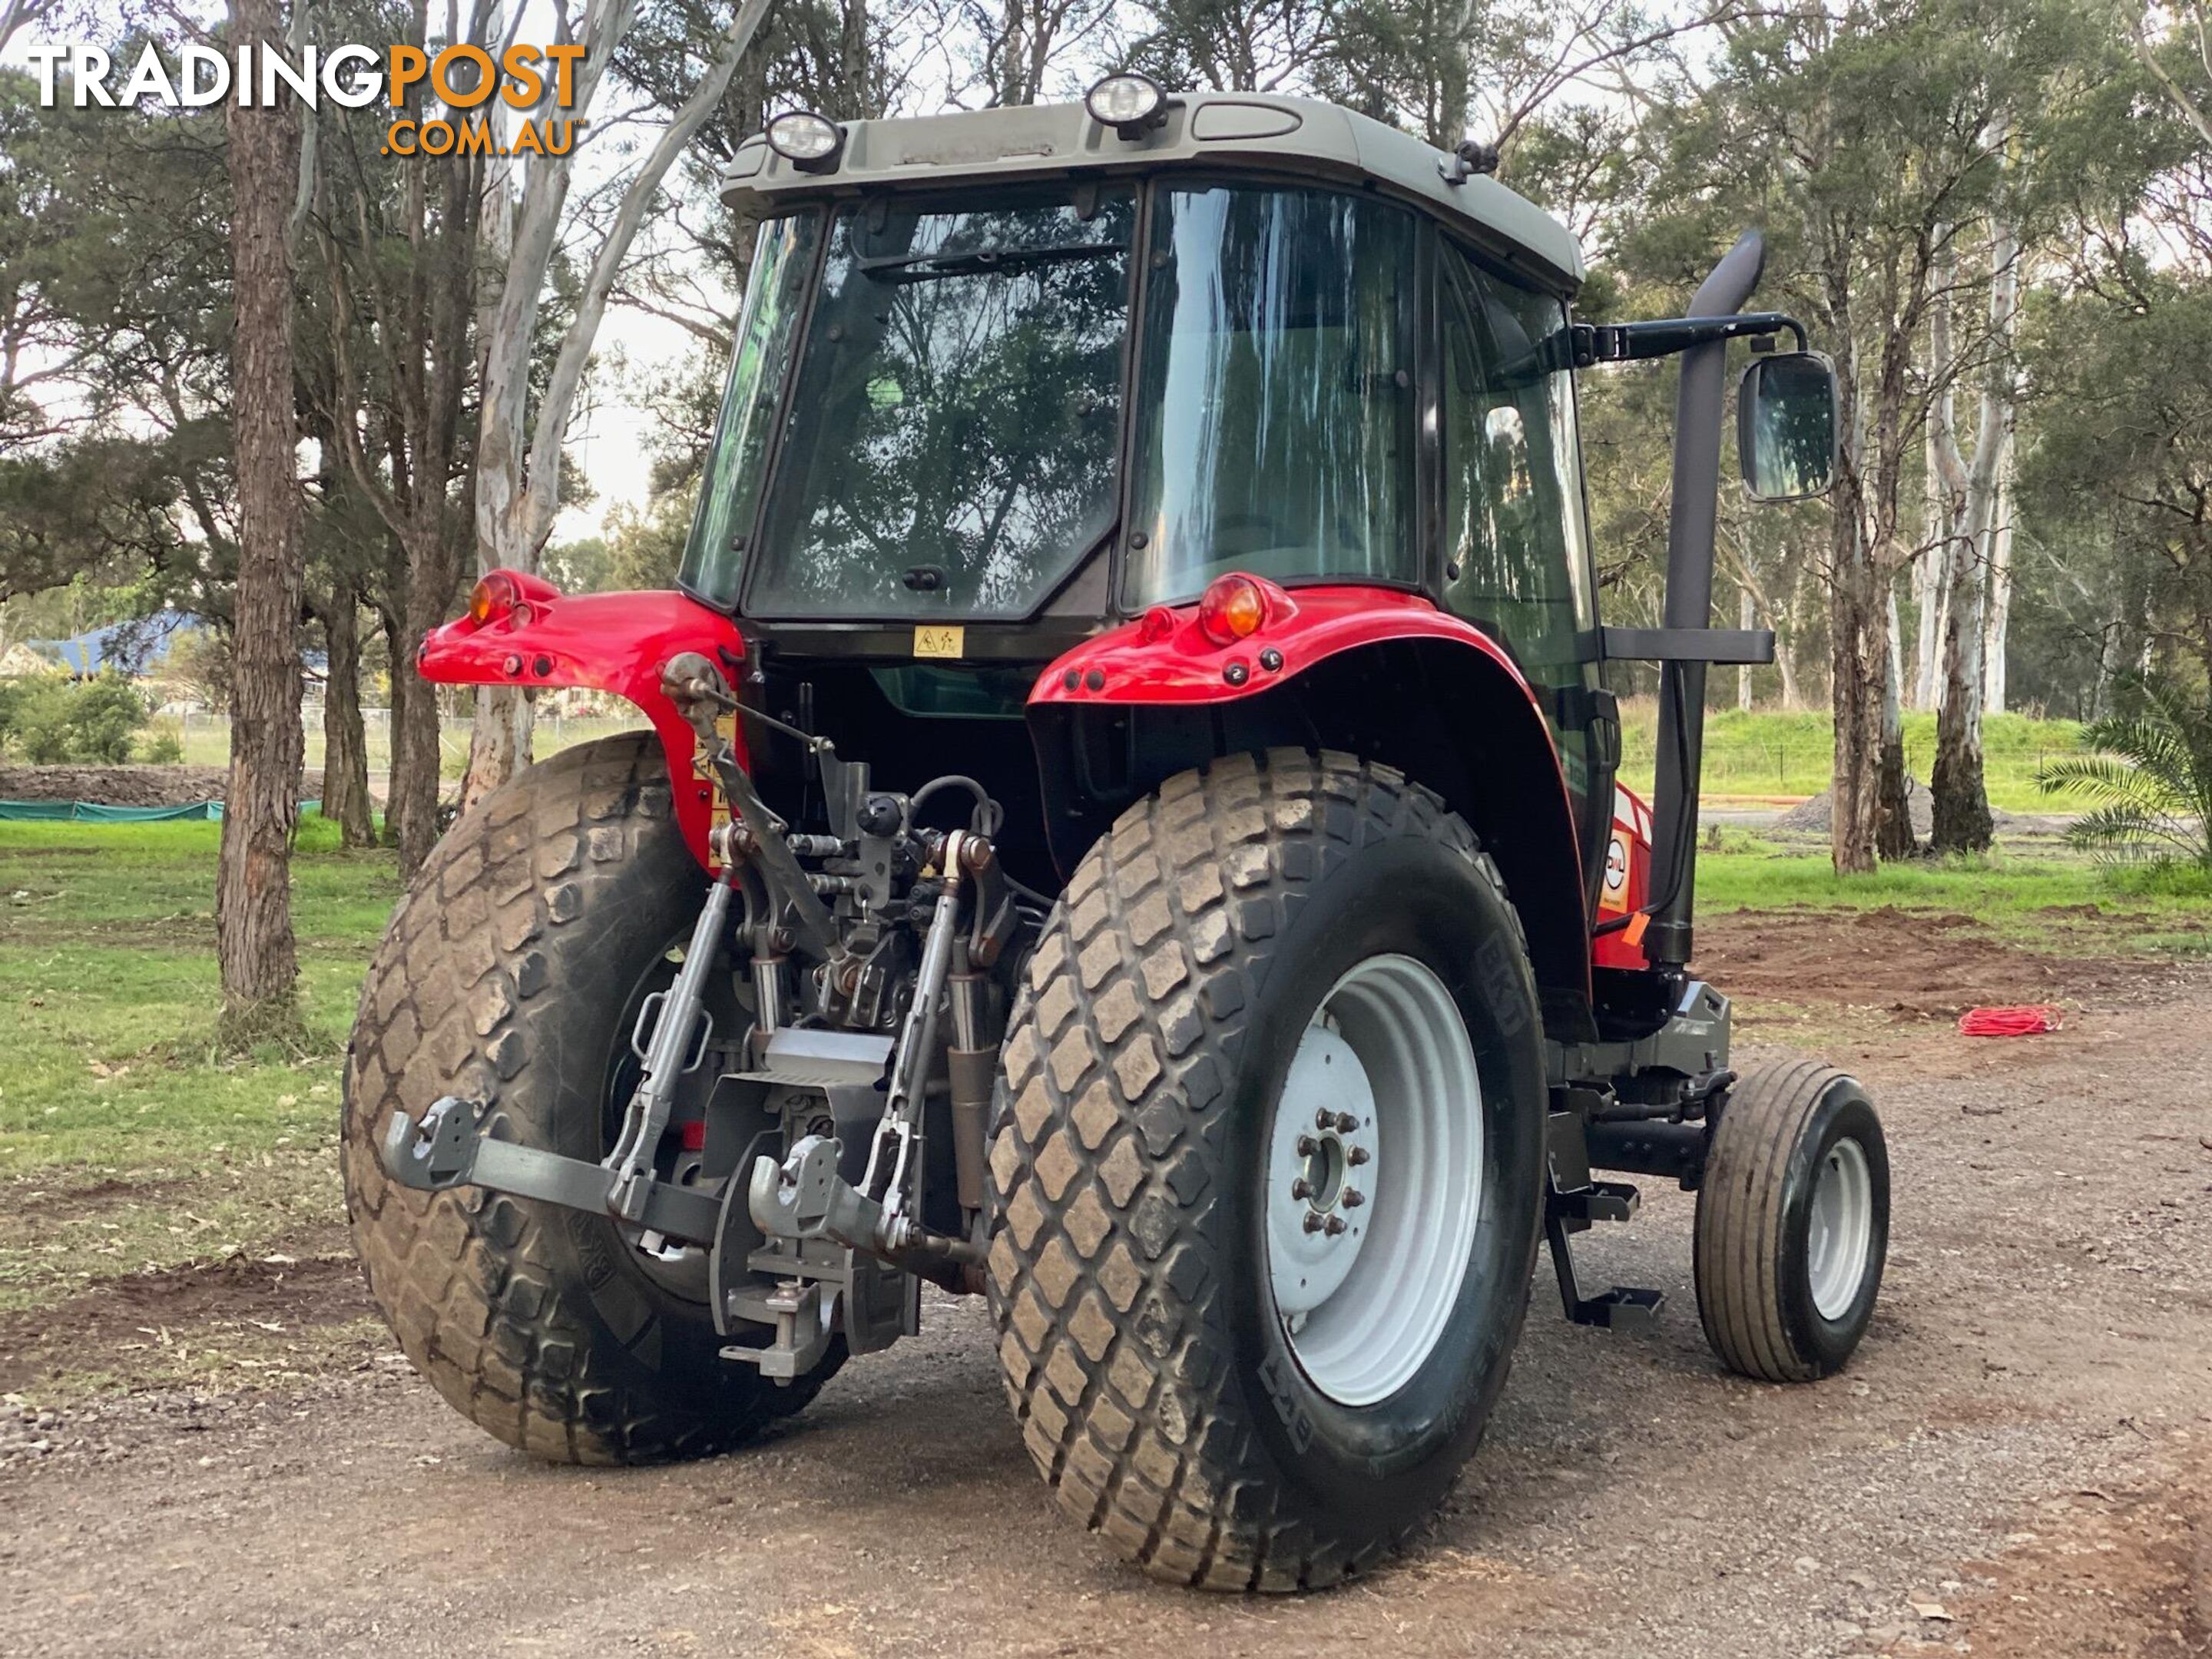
column 1737, row 1250
column 1106, row 1162
column 463, row 998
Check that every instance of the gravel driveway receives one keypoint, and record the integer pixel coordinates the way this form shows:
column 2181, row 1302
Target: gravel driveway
column 2017, row 1462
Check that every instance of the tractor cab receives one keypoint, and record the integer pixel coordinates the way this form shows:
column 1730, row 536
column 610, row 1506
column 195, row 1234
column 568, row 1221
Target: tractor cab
column 1129, row 830
column 1007, row 383
column 1000, row 386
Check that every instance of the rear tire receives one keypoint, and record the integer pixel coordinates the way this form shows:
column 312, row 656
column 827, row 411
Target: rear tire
column 506, row 976
column 1162, row 1389
column 1793, row 1223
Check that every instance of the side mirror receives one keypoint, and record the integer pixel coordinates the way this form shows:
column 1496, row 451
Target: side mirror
column 1785, row 426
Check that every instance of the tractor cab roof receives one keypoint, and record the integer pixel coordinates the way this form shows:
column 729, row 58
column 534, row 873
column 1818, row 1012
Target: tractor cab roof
column 1298, row 139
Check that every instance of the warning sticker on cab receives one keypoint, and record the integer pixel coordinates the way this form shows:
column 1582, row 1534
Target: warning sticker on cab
column 939, row 641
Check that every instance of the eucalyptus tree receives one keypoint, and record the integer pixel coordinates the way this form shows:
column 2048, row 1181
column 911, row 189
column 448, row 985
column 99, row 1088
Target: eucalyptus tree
column 1862, row 136
column 524, row 419
column 391, row 252
column 1232, row 45
column 2116, row 463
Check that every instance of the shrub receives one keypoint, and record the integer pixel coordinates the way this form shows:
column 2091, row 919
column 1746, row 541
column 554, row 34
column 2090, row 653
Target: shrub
column 93, row 720
column 12, row 694
column 163, row 745
column 2148, row 776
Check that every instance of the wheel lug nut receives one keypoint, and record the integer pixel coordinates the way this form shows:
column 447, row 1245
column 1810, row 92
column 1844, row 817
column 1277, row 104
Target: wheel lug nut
column 1352, row 1197
column 1313, row 1221
column 1308, row 1145
column 1324, row 1119
column 1333, row 1225
column 1301, row 1188
column 1356, row 1156
column 1345, row 1123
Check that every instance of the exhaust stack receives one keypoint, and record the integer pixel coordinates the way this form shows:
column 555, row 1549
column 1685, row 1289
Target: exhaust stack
column 1698, row 413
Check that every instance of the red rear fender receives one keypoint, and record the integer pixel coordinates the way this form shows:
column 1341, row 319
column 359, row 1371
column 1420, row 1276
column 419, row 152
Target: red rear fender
column 1456, row 713
column 1165, row 656
column 612, row 642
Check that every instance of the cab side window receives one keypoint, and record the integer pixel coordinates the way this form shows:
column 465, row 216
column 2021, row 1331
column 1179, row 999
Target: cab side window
column 1515, row 554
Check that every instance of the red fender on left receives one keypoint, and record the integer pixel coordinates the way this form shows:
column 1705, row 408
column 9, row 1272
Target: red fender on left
column 519, row 629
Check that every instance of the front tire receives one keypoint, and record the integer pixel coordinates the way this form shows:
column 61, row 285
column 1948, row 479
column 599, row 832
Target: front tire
column 510, row 973
column 1793, row 1223
column 1148, row 1335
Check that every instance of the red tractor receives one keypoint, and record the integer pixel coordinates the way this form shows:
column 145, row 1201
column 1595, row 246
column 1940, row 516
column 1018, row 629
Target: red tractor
column 1129, row 830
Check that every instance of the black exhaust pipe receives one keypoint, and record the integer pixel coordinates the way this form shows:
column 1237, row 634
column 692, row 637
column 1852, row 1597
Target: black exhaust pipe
column 1697, row 411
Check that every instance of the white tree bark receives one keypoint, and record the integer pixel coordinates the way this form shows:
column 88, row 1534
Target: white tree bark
column 2192, row 110
column 19, row 14
column 1745, row 618
column 1945, row 487
column 1992, row 443
column 1999, row 622
column 519, row 450
column 1962, row 805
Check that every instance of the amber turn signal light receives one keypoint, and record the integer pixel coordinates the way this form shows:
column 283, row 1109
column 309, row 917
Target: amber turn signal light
column 1231, row 608
column 491, row 599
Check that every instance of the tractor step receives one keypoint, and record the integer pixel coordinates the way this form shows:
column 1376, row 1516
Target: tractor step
column 1623, row 1307
column 1572, row 1201
column 1601, row 1200
column 1620, row 1308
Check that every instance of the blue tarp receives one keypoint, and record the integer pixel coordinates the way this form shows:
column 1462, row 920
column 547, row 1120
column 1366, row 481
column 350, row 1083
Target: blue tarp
column 129, row 647
column 86, row 811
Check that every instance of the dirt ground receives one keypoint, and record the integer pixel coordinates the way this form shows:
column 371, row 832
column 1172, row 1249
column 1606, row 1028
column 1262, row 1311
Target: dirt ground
column 2019, row 1463
column 129, row 785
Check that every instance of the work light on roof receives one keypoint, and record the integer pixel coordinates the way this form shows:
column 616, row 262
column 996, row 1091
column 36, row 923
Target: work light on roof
column 807, row 140
column 1130, row 104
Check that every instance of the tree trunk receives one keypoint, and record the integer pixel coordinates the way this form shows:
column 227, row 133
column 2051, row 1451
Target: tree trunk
column 254, row 872
column 1931, row 576
column 1746, row 618
column 345, row 746
column 1857, row 655
column 2000, row 616
column 1787, row 635
column 1962, row 821
column 500, row 740
column 410, row 805
column 1893, row 837
column 1961, row 807
column 518, row 481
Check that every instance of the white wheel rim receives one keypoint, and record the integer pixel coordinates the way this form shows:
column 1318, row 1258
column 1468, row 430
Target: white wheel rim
column 1373, row 1183
column 1840, row 1240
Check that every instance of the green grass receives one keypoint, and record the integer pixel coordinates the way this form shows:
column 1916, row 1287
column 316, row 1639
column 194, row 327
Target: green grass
column 1777, row 752
column 126, row 1144
column 107, row 946
column 2036, row 896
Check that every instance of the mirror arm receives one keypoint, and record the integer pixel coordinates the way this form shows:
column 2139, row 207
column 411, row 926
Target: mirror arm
column 1629, row 343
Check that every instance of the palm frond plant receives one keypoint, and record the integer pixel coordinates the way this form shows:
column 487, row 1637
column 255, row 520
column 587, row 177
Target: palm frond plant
column 2146, row 772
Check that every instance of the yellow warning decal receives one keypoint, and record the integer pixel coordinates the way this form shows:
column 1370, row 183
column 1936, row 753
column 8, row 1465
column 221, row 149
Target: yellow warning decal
column 937, row 640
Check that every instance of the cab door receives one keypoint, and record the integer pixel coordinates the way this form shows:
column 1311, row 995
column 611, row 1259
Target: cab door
column 1516, row 555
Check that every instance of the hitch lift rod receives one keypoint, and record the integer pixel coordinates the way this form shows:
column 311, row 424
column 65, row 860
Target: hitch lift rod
column 631, row 1161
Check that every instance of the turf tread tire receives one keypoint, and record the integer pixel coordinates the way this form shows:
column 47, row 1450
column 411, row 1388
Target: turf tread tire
column 1117, row 1071
column 464, row 996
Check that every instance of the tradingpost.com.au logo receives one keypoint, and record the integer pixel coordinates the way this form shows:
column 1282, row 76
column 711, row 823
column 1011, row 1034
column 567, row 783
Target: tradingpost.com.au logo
column 464, row 78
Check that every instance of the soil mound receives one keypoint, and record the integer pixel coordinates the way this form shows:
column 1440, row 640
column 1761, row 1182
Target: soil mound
column 127, row 785
column 1817, row 815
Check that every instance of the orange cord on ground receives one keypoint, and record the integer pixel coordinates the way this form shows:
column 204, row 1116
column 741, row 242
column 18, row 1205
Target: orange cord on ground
column 2008, row 1022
